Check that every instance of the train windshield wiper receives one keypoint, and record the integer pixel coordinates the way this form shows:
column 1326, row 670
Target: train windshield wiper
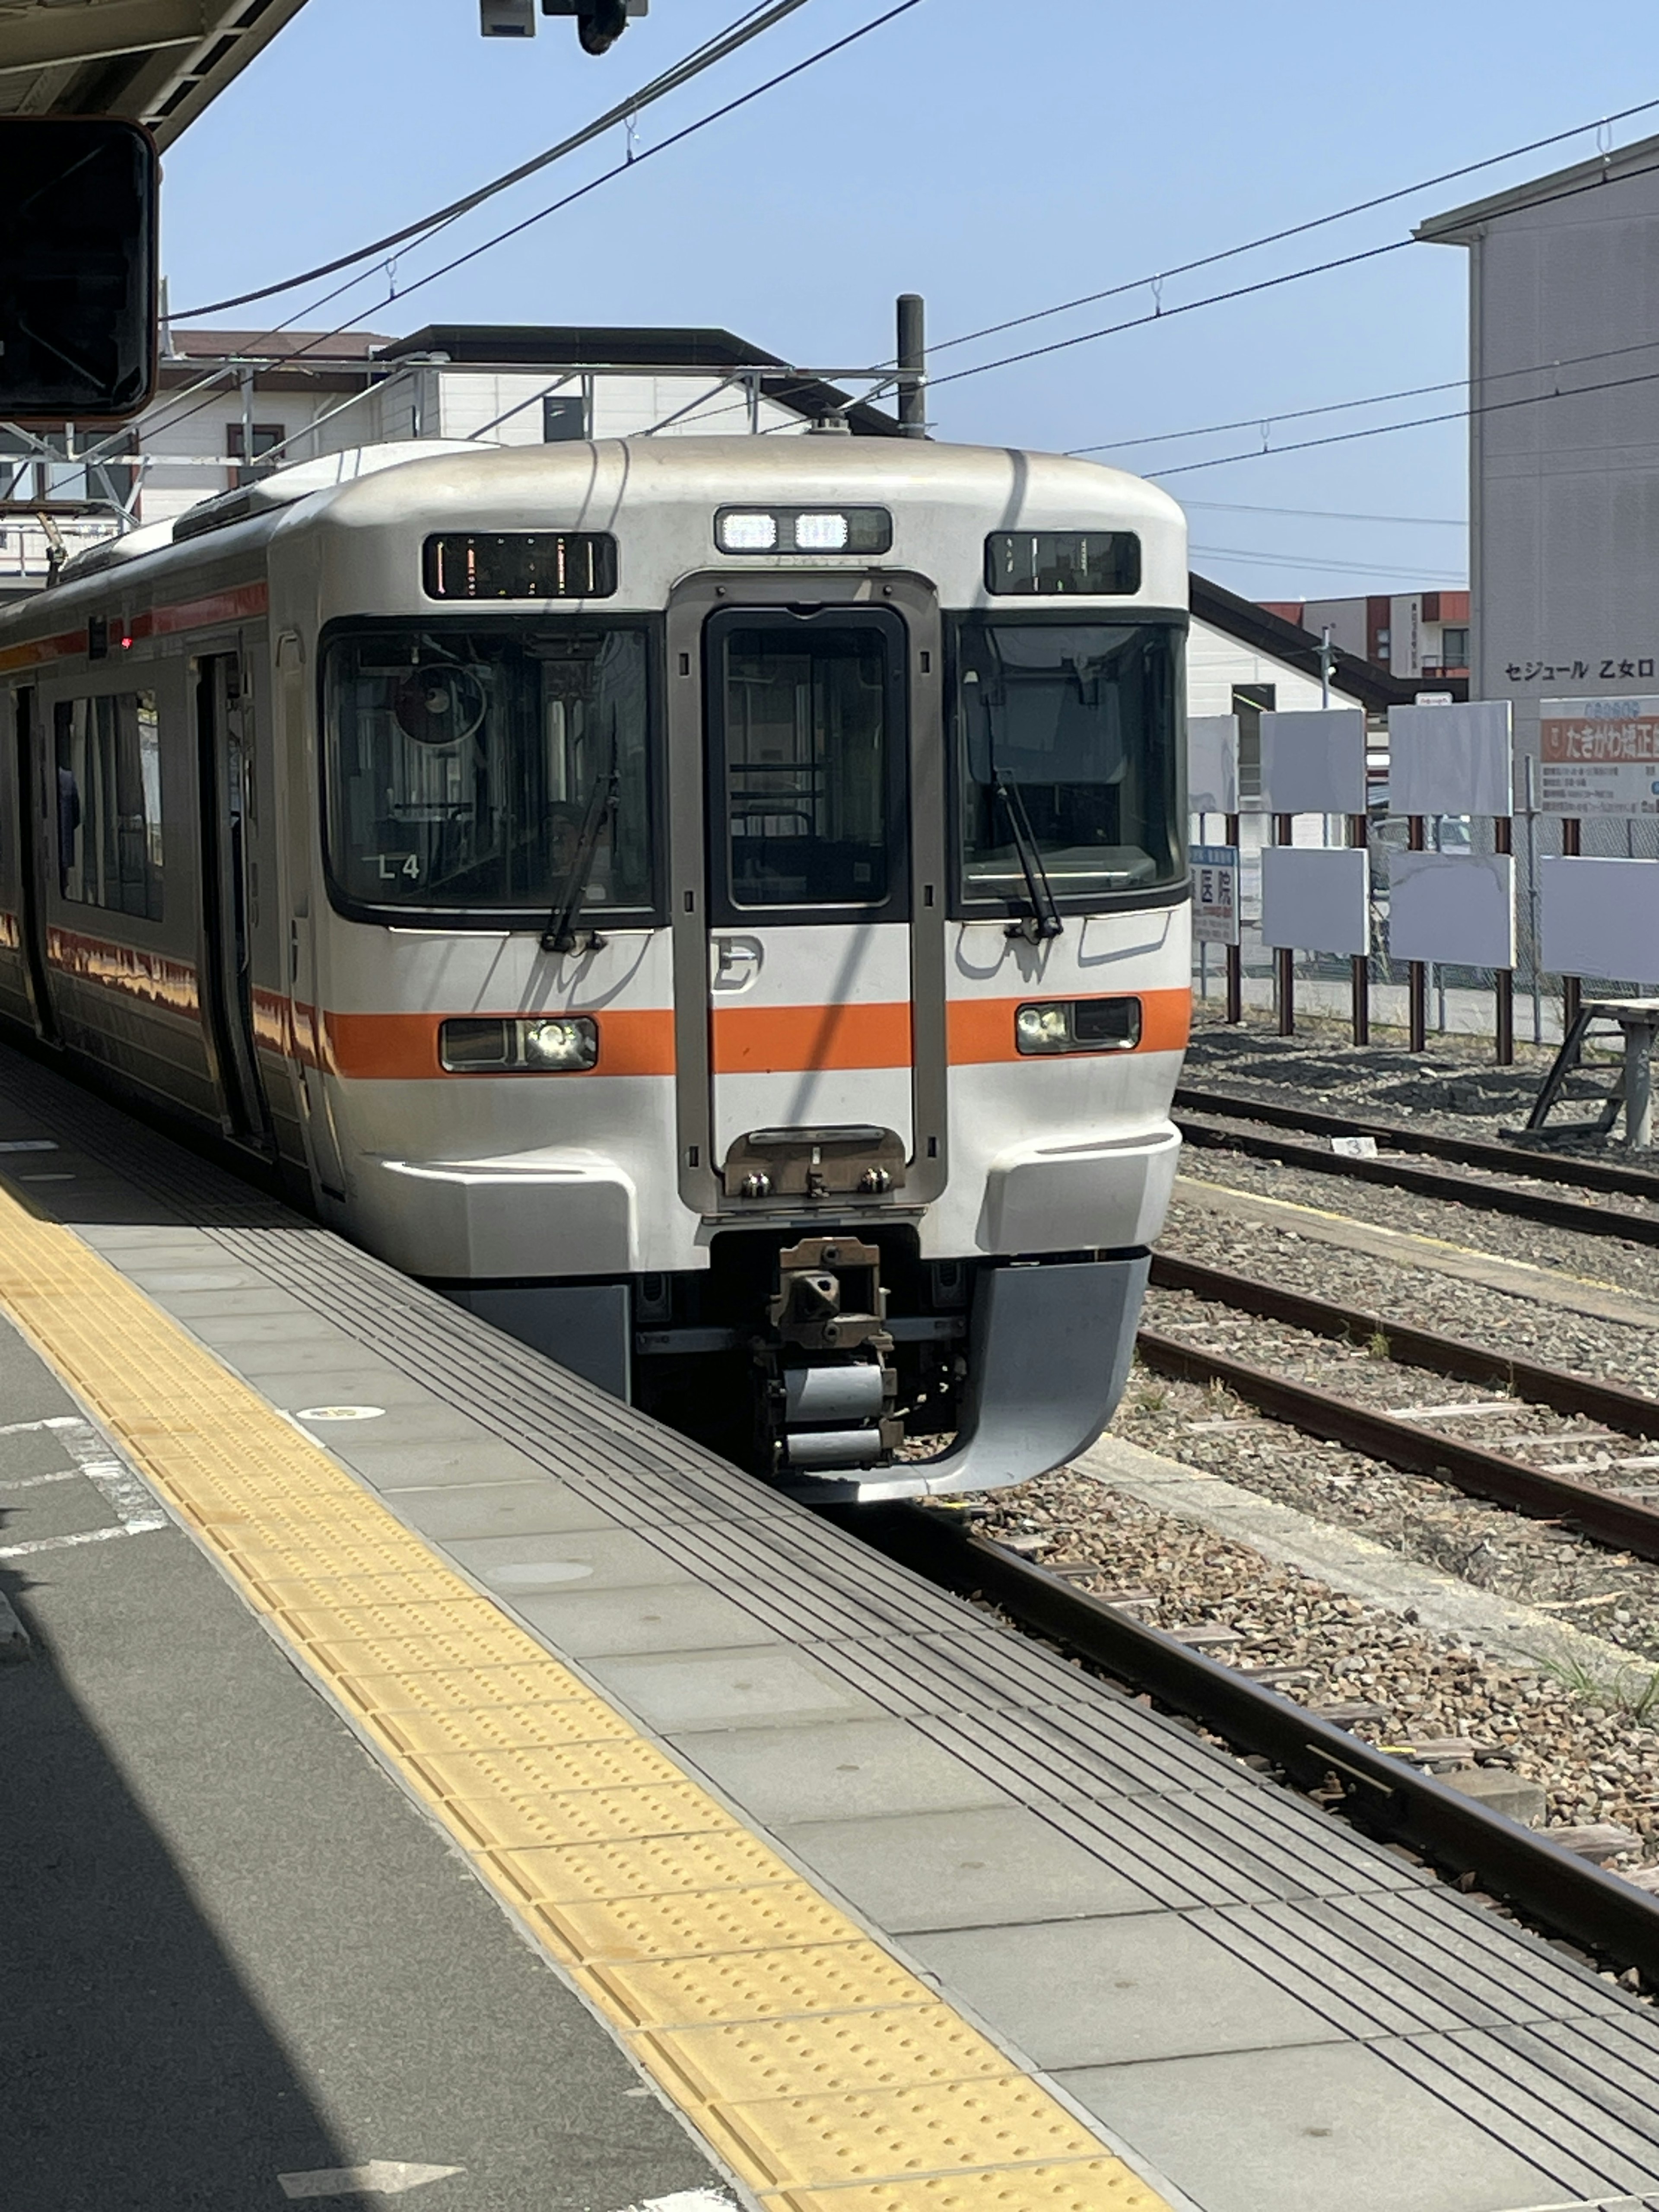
column 601, row 802
column 1044, row 920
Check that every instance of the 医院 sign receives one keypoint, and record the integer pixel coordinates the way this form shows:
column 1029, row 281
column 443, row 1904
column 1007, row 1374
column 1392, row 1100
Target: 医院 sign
column 1599, row 755
column 1215, row 894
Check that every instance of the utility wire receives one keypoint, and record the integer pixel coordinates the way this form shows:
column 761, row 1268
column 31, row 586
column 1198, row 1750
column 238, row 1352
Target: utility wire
column 1160, row 314
column 1296, row 229
column 1328, row 514
column 620, row 168
column 758, row 20
column 1301, row 560
column 1416, row 423
column 1376, row 399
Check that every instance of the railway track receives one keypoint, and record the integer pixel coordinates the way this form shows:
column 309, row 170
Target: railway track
column 1549, row 1886
column 1625, row 1523
column 1471, row 1171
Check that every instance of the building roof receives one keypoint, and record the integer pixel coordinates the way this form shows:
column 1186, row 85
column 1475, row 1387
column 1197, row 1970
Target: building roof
column 1461, row 225
column 278, row 345
column 158, row 62
column 1254, row 625
column 598, row 345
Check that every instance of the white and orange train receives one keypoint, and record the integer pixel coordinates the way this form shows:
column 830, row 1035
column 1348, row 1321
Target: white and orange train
column 717, row 908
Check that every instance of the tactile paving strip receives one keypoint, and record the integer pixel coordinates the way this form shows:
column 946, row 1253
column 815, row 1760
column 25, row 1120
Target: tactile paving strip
column 825, row 2073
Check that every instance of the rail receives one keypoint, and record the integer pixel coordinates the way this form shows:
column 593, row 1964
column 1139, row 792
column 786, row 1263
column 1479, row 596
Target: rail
column 1547, row 1886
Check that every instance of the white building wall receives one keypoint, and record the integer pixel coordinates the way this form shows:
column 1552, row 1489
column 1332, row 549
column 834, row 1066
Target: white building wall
column 1215, row 662
column 1565, row 492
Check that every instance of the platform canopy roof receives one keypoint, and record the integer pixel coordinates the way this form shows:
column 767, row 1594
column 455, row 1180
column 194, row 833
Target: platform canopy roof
column 157, row 61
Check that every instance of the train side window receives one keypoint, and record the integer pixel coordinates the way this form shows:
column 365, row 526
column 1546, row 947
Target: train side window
column 109, row 802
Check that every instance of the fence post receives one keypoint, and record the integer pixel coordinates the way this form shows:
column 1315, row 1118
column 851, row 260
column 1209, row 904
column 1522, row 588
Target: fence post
column 1283, row 958
column 1235, row 952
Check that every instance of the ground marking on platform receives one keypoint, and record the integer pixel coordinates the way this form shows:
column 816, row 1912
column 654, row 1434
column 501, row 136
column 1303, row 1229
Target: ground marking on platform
column 27, row 1145
column 132, row 1501
column 381, row 2177
column 818, row 2066
column 687, row 2200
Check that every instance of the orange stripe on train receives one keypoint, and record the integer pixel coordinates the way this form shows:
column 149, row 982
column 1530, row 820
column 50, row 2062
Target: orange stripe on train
column 791, row 1040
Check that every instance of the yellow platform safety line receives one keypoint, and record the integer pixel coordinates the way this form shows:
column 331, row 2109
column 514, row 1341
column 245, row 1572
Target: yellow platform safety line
column 819, row 2066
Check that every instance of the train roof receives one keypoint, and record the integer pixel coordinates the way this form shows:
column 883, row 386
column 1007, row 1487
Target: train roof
column 591, row 483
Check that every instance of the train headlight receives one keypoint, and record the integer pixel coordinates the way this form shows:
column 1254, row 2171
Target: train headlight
column 1042, row 1029
column 536, row 1044
column 570, row 1042
column 1078, row 1025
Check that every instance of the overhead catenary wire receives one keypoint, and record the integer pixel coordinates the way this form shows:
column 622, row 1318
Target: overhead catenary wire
column 620, row 168
column 1330, row 514
column 1293, row 230
column 1160, row 314
column 1416, row 423
column 758, row 21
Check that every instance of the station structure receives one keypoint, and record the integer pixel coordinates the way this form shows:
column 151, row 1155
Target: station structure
column 441, row 1779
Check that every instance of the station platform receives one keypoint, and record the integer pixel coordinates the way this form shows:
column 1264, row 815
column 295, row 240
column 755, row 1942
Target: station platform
column 699, row 1855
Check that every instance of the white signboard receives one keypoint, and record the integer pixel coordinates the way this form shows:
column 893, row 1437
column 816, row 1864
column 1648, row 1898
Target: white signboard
column 1317, row 901
column 1445, row 906
column 1215, row 893
column 1213, row 763
column 1600, row 918
column 1314, row 763
column 1450, row 760
column 1598, row 757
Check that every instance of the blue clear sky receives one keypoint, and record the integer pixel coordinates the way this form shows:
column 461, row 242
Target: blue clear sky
column 996, row 155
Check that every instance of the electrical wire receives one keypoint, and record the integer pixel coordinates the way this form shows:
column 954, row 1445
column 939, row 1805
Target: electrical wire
column 746, row 27
column 1328, row 514
column 620, row 168
column 1265, row 420
column 1298, row 229
column 1161, row 314
column 1416, row 423
column 1303, row 560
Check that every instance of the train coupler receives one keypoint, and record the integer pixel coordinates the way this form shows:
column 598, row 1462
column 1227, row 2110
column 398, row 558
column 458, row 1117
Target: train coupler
column 830, row 1385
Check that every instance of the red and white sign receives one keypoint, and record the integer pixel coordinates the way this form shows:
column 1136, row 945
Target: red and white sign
column 1599, row 755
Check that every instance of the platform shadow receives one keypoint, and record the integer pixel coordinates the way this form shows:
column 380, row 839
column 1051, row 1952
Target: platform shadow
column 138, row 2074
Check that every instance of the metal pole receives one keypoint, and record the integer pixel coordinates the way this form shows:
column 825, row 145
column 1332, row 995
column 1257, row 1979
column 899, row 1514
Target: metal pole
column 1503, row 983
column 247, row 425
column 1285, row 958
column 1573, row 989
column 1417, row 976
column 1235, row 952
column 913, row 366
column 1638, row 1085
column 1326, row 657
column 1359, row 969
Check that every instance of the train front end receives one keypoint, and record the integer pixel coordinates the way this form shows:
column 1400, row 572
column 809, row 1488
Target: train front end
column 755, row 927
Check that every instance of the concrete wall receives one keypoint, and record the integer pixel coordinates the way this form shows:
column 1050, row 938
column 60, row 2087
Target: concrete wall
column 1565, row 493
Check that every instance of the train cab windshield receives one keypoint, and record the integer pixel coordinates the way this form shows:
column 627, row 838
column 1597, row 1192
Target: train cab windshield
column 461, row 767
column 1066, row 747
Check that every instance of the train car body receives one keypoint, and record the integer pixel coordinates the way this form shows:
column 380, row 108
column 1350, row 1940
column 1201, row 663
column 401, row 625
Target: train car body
column 716, row 907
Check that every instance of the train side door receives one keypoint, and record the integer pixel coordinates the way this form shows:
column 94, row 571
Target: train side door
column 810, row 1030
column 37, row 788
column 223, row 728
